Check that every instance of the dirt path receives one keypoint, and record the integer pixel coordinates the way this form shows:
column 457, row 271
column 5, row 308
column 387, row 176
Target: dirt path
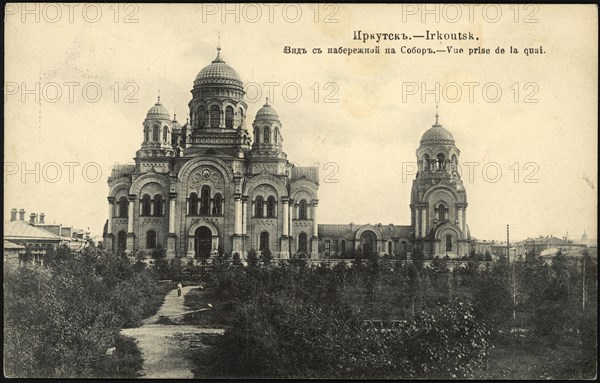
column 164, row 347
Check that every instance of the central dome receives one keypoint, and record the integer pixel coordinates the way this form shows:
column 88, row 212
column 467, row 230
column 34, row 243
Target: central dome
column 218, row 73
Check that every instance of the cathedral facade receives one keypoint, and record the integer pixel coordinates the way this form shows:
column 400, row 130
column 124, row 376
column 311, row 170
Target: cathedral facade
column 214, row 183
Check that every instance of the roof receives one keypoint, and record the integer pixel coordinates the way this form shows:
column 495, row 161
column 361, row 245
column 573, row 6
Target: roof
column 122, row 170
column 21, row 230
column 267, row 112
column 158, row 110
column 218, row 73
column 349, row 230
column 12, row 246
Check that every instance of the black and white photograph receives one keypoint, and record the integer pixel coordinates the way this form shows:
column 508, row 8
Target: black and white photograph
column 300, row 191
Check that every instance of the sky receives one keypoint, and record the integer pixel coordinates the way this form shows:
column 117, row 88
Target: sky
column 79, row 80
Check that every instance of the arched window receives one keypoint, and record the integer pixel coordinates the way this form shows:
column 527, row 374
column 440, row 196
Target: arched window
column 201, row 117
column 158, row 206
column 302, row 207
column 215, row 116
column 276, row 136
column 229, row 117
column 122, row 207
column 343, row 246
column 327, row 247
column 302, row 242
column 448, row 243
column 271, row 207
column 441, row 161
column 218, row 205
column 426, row 162
column 264, row 240
column 241, row 111
column 258, row 207
column 390, row 247
column 121, row 241
column 256, row 135
column 193, row 204
column 267, row 135
column 151, row 239
column 147, row 134
column 155, row 133
column 205, row 201
column 165, row 133
column 442, row 212
column 403, row 246
column 146, row 205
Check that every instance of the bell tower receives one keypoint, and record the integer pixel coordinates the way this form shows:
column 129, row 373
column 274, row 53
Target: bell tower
column 438, row 199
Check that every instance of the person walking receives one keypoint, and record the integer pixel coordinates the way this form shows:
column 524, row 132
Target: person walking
column 179, row 288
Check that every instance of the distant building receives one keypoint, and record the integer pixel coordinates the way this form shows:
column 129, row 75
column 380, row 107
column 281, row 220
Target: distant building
column 35, row 241
column 339, row 240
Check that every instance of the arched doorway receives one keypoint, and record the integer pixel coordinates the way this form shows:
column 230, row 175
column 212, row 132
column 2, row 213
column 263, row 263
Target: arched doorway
column 368, row 242
column 202, row 242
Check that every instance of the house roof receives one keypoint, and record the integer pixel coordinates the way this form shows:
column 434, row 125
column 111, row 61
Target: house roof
column 21, row 230
column 12, row 246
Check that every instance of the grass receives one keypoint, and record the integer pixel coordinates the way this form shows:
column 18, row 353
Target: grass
column 197, row 299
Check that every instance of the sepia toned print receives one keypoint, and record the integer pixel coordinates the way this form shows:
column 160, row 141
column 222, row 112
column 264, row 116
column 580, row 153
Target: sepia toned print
column 400, row 191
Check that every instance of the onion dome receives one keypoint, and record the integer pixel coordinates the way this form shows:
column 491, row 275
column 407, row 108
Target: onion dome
column 158, row 111
column 267, row 113
column 218, row 73
column 437, row 134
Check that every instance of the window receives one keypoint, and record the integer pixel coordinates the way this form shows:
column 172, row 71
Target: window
column 229, row 117
column 426, row 162
column 390, row 247
column 193, row 204
column 205, row 201
column 266, row 135
column 215, row 116
column 271, row 205
column 327, row 247
column 448, row 243
column 403, row 246
column 441, row 161
column 264, row 240
column 155, row 133
column 122, row 206
column 201, row 117
column 165, row 134
column 146, row 205
column 442, row 212
column 302, row 207
column 218, row 208
column 343, row 246
column 147, row 134
column 276, row 136
column 158, row 206
column 258, row 207
column 151, row 239
column 121, row 241
column 256, row 135
column 302, row 242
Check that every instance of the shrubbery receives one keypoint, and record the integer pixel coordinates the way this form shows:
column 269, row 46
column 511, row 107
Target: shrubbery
column 60, row 320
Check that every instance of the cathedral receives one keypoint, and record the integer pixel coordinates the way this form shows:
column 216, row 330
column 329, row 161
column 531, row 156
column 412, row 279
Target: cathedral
column 214, row 185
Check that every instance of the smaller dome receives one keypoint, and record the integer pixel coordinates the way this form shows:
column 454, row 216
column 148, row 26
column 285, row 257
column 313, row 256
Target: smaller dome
column 176, row 124
column 267, row 112
column 158, row 110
